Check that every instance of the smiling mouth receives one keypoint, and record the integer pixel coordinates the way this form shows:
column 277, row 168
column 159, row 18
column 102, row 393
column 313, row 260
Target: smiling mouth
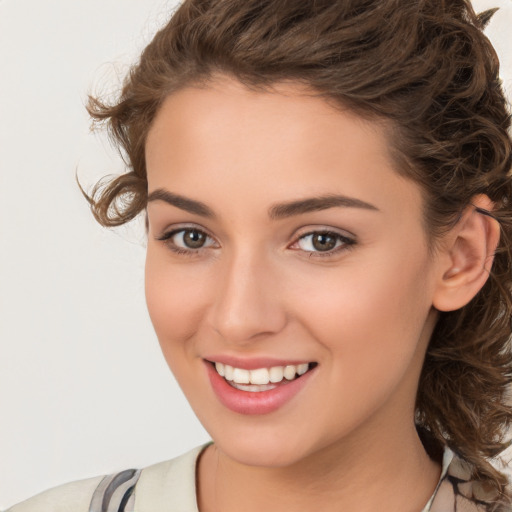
column 261, row 379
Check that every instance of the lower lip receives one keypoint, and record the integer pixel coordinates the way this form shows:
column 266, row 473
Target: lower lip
column 259, row 402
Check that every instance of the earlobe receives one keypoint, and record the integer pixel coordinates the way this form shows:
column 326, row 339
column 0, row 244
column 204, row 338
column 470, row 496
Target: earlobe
column 469, row 254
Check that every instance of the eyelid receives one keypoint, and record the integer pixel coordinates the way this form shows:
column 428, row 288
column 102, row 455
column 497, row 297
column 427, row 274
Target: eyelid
column 168, row 231
column 311, row 230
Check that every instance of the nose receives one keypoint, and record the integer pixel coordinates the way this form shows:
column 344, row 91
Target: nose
column 249, row 301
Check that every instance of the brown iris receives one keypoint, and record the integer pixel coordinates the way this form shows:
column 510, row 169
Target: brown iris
column 324, row 241
column 194, row 239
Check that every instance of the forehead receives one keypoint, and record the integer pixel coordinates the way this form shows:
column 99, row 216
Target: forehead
column 286, row 141
column 291, row 108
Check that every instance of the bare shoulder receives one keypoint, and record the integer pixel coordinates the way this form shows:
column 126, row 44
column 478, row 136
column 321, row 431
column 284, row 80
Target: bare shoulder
column 75, row 496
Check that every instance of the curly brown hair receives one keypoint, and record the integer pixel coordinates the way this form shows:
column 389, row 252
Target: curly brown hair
column 427, row 69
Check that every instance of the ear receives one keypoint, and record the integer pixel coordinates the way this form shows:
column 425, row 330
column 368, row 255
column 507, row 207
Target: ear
column 466, row 256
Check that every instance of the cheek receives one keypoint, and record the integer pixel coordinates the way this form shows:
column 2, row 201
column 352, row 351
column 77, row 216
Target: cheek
column 176, row 298
column 371, row 317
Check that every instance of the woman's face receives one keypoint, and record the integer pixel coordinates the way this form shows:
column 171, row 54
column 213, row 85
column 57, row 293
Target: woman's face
column 281, row 236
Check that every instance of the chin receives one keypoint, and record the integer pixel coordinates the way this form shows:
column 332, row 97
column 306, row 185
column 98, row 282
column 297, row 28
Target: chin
column 262, row 445
column 268, row 454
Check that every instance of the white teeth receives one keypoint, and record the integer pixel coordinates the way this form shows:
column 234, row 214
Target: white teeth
column 240, row 376
column 290, row 371
column 253, row 388
column 228, row 372
column 220, row 369
column 276, row 373
column 302, row 368
column 261, row 376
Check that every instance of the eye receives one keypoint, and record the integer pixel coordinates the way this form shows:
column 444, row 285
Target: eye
column 327, row 242
column 187, row 240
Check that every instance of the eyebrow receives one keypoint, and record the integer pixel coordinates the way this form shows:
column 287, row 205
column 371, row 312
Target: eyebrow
column 314, row 204
column 277, row 211
column 181, row 202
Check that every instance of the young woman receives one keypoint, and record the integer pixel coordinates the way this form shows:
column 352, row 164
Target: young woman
column 327, row 189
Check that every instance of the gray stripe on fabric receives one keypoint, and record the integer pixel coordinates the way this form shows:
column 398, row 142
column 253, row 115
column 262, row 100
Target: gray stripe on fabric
column 111, row 491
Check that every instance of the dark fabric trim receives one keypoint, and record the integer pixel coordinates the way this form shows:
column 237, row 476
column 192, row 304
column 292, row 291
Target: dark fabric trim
column 114, row 492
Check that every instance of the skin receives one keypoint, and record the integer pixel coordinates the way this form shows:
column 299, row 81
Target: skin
column 364, row 311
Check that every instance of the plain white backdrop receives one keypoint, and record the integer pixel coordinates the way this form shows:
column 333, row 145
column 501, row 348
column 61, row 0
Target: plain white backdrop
column 84, row 389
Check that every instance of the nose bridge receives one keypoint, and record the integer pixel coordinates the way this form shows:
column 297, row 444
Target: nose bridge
column 247, row 303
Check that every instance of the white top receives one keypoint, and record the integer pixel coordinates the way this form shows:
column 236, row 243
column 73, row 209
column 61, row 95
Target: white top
column 164, row 487
column 170, row 486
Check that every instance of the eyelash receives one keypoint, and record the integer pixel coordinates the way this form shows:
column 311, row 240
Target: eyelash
column 166, row 238
column 346, row 242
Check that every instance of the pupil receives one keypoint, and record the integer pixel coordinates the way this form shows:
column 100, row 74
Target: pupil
column 324, row 242
column 194, row 239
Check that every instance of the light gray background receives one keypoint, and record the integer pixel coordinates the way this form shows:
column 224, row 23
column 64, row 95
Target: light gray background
column 84, row 389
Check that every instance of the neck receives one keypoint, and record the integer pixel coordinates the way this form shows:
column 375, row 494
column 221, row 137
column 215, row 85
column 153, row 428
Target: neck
column 373, row 472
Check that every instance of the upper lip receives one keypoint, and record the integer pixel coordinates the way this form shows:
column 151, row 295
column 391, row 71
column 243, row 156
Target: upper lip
column 253, row 363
